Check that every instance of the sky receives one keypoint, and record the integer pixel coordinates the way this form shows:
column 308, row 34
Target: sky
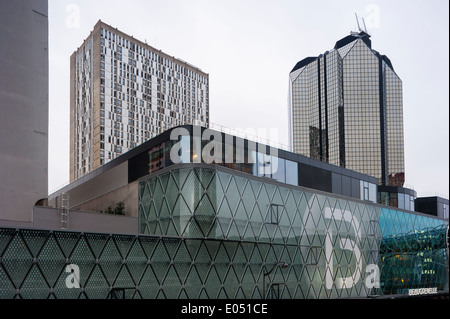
column 248, row 48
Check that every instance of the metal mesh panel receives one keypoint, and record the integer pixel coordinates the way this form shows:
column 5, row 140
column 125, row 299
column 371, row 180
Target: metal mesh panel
column 153, row 267
column 231, row 248
column 230, row 207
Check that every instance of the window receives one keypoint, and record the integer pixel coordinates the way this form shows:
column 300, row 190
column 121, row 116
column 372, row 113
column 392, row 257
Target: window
column 384, row 198
column 368, row 191
column 278, row 169
column 401, row 201
column 263, row 161
column 411, row 204
column 273, row 217
column 185, row 150
column 364, row 190
column 407, row 202
column 393, row 199
column 445, row 211
column 372, row 193
column 291, row 173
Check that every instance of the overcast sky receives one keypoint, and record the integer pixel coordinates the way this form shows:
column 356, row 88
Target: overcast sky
column 248, row 47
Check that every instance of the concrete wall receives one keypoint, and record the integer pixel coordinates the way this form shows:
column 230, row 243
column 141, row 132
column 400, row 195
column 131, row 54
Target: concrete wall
column 23, row 107
column 103, row 191
column 129, row 194
column 50, row 218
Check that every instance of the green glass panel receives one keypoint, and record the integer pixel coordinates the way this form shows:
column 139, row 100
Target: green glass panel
column 171, row 193
column 248, row 281
column 241, row 215
column 66, row 241
column 248, row 199
column 205, row 176
column 171, row 284
column 232, row 195
column 182, row 261
column 110, row 260
column 224, row 211
column 231, row 283
column 240, row 294
column 35, row 285
column 17, row 260
column 96, row 242
column 213, row 283
column 51, row 260
column 249, row 234
column 160, row 262
column 136, row 261
column 190, row 191
column 193, row 284
column 5, row 237
column 171, row 228
column 183, row 295
column 224, row 181
column 124, row 243
column 158, row 196
column 222, row 294
column 164, row 179
column 34, row 239
column 183, row 176
column 205, row 215
column 203, row 294
column 149, row 285
column 97, row 287
column 61, row 290
column 7, row 289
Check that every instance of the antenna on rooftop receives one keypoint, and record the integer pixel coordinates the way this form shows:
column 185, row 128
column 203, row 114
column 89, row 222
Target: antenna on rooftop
column 357, row 21
column 359, row 26
column 364, row 23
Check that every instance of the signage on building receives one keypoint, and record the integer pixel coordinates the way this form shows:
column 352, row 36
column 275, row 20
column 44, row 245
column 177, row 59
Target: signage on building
column 422, row 291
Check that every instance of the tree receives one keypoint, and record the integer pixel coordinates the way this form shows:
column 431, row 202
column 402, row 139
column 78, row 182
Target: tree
column 118, row 210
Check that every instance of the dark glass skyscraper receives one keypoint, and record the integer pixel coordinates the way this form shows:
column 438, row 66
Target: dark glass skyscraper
column 346, row 108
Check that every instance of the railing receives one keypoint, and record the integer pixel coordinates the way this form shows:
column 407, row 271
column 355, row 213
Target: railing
column 251, row 134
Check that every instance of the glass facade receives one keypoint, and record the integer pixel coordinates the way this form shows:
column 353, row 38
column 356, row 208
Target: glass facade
column 211, row 232
column 243, row 157
column 398, row 199
column 413, row 258
column 394, row 127
column 313, row 228
column 362, row 111
column 252, row 158
column 346, row 108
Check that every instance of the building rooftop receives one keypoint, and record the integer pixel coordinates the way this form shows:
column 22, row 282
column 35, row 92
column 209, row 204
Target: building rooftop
column 365, row 37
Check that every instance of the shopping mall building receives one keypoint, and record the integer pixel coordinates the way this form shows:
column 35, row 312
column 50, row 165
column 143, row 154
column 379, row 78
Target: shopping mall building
column 204, row 214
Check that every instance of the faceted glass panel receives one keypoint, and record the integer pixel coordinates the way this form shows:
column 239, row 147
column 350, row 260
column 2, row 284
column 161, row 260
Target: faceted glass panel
column 261, row 239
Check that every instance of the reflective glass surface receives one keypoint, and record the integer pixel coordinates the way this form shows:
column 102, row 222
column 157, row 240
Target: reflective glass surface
column 346, row 108
column 215, row 233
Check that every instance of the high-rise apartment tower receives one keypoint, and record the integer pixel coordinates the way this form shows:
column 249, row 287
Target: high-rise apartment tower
column 124, row 92
column 346, row 108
